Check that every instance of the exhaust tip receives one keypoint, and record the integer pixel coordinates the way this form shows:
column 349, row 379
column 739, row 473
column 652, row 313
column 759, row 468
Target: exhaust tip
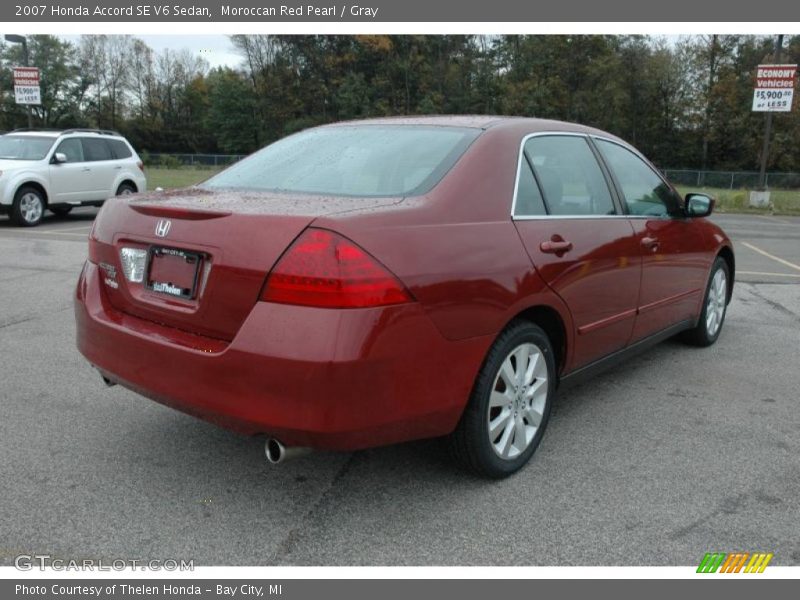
column 108, row 382
column 275, row 451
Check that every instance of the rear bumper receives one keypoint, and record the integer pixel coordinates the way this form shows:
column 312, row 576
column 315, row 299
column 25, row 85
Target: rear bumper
column 335, row 379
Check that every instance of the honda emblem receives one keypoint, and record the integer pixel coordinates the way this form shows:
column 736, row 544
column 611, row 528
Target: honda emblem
column 162, row 227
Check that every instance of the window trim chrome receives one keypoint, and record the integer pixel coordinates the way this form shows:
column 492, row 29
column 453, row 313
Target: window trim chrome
column 585, row 136
column 520, row 158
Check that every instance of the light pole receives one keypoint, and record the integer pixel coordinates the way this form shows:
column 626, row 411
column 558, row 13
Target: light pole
column 20, row 39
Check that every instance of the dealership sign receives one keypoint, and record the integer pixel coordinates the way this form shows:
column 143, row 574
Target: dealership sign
column 26, row 85
column 774, row 88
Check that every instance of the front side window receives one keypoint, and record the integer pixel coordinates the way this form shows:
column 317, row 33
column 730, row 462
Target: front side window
column 24, row 147
column 95, row 149
column 72, row 149
column 352, row 160
column 644, row 192
column 571, row 179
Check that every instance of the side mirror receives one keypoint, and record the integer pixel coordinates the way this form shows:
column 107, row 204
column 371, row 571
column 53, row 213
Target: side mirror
column 698, row 205
column 58, row 158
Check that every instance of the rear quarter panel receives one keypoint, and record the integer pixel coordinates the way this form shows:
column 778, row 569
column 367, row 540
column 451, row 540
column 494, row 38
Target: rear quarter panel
column 456, row 249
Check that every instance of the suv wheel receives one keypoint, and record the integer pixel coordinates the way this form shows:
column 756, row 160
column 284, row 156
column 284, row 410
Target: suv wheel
column 125, row 189
column 60, row 211
column 28, row 207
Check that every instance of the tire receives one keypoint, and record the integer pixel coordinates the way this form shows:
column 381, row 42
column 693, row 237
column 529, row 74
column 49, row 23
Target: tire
column 525, row 403
column 125, row 189
column 28, row 207
column 61, row 211
column 715, row 304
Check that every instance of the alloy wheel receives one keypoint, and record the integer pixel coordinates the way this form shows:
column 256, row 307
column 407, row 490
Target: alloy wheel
column 715, row 303
column 518, row 400
column 31, row 207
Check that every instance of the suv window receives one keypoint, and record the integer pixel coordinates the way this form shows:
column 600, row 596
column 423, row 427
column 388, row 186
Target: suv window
column 529, row 198
column 72, row 149
column 96, row 149
column 643, row 191
column 571, row 178
column 119, row 148
column 25, row 147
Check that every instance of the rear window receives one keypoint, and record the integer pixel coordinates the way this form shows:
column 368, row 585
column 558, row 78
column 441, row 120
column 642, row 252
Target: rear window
column 119, row 148
column 359, row 160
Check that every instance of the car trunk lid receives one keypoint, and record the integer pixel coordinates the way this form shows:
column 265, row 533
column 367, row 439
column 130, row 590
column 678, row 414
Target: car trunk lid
column 204, row 255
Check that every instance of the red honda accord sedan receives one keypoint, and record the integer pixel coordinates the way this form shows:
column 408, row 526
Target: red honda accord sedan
column 372, row 282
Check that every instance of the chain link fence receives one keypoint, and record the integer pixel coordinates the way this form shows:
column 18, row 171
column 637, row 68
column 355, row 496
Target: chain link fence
column 732, row 180
column 201, row 161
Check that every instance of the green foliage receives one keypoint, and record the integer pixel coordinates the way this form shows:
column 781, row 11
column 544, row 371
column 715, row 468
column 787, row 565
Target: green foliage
column 167, row 161
column 232, row 106
column 684, row 101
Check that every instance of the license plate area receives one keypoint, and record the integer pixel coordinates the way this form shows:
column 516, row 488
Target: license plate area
column 173, row 272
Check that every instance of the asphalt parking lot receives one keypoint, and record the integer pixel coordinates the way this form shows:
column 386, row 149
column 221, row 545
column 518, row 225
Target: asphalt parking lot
column 679, row 452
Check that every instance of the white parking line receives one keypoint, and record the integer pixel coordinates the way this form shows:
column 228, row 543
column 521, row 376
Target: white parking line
column 88, row 228
column 774, row 220
column 27, row 234
column 768, row 274
column 772, row 256
column 83, row 235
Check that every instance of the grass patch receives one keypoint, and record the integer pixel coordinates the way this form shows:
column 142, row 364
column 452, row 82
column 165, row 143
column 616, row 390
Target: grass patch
column 785, row 202
column 176, row 178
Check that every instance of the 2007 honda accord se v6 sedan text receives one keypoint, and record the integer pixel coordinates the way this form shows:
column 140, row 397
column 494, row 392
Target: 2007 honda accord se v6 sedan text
column 372, row 282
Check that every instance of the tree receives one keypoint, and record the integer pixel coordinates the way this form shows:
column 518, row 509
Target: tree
column 61, row 88
column 232, row 112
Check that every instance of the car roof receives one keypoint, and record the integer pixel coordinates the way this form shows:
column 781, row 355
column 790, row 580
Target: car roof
column 55, row 133
column 472, row 121
column 524, row 125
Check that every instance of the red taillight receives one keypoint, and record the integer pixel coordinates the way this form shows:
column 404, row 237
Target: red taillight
column 140, row 164
column 94, row 249
column 324, row 269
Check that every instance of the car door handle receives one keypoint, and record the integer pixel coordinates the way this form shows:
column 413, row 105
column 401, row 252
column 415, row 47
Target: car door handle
column 555, row 246
column 650, row 243
column 86, row 169
column 118, row 167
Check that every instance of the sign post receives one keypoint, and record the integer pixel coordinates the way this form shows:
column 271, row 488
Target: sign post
column 773, row 93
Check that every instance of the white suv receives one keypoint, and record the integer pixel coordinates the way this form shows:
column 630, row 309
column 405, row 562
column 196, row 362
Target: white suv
column 58, row 170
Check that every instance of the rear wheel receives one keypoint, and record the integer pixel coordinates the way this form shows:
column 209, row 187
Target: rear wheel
column 508, row 410
column 715, row 304
column 28, row 207
column 60, row 211
column 125, row 189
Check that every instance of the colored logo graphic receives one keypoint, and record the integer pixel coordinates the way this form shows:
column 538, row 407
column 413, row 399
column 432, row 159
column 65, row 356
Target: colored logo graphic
column 735, row 562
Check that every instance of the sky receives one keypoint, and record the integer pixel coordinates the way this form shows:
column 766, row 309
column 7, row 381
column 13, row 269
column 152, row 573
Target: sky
column 216, row 49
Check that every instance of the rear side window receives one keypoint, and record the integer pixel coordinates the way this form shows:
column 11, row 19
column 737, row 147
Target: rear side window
column 119, row 149
column 644, row 192
column 529, row 198
column 571, row 179
column 72, row 149
column 95, row 149
column 358, row 160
